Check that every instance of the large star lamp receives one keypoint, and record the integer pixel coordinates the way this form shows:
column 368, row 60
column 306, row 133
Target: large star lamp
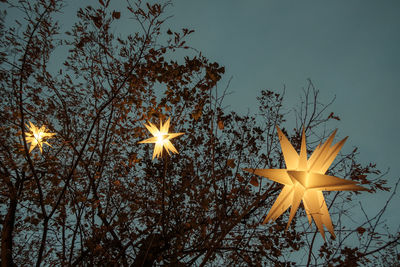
column 37, row 136
column 161, row 138
column 305, row 179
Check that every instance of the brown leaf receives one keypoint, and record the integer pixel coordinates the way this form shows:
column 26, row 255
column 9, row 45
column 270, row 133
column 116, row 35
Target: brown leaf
column 254, row 181
column 361, row 230
column 116, row 14
column 197, row 114
column 221, row 125
column 97, row 21
column 231, row 163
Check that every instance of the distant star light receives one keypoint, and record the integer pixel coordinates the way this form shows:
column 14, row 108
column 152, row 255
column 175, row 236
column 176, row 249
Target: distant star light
column 161, row 138
column 305, row 180
column 37, row 136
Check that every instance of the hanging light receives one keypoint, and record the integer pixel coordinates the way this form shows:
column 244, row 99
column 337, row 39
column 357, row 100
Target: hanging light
column 37, row 137
column 305, row 179
column 161, row 138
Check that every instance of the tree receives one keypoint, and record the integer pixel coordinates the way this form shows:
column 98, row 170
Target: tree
column 97, row 198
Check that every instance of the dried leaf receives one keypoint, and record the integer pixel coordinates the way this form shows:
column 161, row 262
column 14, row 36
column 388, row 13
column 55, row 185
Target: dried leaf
column 361, row 230
column 231, row 163
column 254, row 181
column 116, row 14
column 221, row 125
column 196, row 115
column 240, row 178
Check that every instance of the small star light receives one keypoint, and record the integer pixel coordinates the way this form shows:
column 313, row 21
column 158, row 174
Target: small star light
column 305, row 180
column 36, row 138
column 161, row 138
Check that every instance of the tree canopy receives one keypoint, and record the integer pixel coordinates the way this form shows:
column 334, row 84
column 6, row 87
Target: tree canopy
column 96, row 197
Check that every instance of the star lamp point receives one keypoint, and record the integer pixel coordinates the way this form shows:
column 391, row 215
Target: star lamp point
column 161, row 138
column 304, row 179
column 37, row 136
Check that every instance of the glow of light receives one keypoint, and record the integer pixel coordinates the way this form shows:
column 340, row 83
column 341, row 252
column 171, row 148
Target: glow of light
column 37, row 136
column 161, row 138
column 304, row 180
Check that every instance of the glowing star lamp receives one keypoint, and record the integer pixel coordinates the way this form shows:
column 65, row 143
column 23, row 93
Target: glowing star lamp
column 305, row 179
column 161, row 138
column 37, row 136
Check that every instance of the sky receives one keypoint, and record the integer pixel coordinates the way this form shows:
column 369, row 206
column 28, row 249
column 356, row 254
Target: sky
column 349, row 49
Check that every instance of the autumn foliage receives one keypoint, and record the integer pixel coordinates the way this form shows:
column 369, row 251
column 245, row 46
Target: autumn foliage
column 96, row 197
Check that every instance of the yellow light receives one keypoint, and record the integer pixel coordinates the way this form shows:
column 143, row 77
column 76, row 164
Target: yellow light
column 161, row 138
column 37, row 136
column 305, row 179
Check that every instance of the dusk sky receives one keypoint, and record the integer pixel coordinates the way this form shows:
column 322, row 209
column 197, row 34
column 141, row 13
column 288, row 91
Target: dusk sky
column 350, row 49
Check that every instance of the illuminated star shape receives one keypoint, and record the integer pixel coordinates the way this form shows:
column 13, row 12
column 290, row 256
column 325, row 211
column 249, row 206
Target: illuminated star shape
column 305, row 179
column 161, row 138
column 37, row 136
